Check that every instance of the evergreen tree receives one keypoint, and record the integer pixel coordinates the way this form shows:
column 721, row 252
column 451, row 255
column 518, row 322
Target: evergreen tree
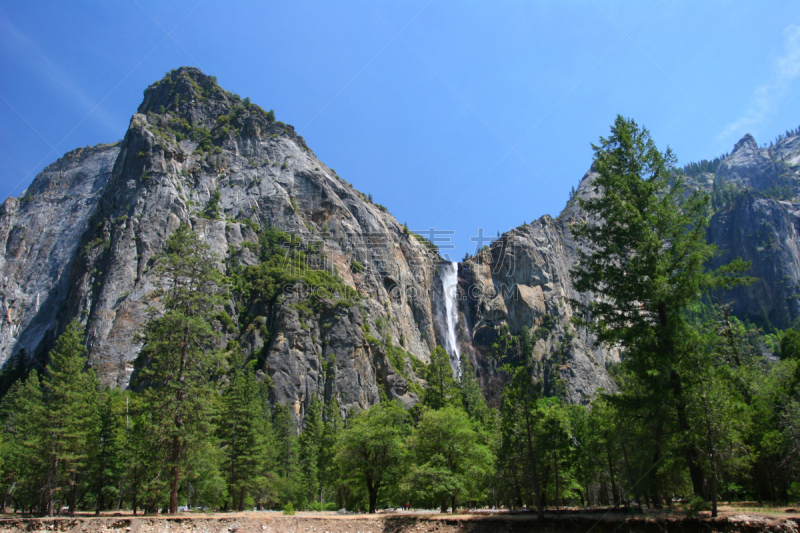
column 264, row 479
column 180, row 354
column 107, row 450
column 70, row 396
column 310, row 442
column 147, row 473
column 442, row 388
column 647, row 255
column 472, row 396
column 790, row 345
column 330, row 435
column 242, row 428
column 287, row 472
column 25, row 444
column 520, row 426
column 526, row 343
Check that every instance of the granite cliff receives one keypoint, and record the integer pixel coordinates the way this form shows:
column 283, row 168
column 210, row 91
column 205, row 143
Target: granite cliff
column 80, row 243
column 756, row 195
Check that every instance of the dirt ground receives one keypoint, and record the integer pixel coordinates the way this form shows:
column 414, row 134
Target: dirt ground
column 733, row 519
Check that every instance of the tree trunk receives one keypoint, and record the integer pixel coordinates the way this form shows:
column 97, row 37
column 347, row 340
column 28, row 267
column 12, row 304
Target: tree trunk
column 556, row 470
column 373, row 501
column 119, row 498
column 689, row 450
column 50, row 494
column 532, row 459
column 6, row 496
column 444, row 505
column 630, row 477
column 73, row 493
column 712, row 456
column 372, row 489
column 241, row 499
column 173, row 490
column 614, row 492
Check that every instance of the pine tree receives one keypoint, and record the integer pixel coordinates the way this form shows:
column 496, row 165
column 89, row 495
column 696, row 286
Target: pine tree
column 473, row 401
column 287, row 471
column 180, row 353
column 25, row 445
column 330, row 434
column 442, row 388
column 310, row 442
column 107, row 449
column 241, row 428
column 264, row 480
column 70, row 396
column 648, row 257
column 520, row 426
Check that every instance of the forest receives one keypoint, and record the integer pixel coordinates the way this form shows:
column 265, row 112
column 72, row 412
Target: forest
column 703, row 411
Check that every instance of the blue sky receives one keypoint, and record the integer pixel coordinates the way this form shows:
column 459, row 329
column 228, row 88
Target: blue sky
column 455, row 115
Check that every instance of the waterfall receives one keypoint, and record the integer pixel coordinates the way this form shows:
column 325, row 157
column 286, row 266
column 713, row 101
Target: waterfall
column 449, row 273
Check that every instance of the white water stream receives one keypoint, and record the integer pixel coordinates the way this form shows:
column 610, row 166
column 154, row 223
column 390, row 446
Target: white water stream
column 449, row 273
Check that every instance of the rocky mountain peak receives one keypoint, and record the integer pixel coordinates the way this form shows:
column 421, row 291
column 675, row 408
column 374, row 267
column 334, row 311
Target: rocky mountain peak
column 187, row 104
column 747, row 143
column 181, row 88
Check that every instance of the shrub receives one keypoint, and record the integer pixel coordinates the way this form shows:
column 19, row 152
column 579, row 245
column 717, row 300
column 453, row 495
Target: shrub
column 288, row 509
column 696, row 505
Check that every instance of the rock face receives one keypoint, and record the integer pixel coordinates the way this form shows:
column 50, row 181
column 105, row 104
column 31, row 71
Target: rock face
column 523, row 280
column 765, row 232
column 757, row 218
column 40, row 234
column 353, row 319
column 81, row 241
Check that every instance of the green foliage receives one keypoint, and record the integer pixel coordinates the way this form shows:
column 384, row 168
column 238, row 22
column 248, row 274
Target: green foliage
column 432, row 248
column 371, row 450
column 649, row 259
column 245, row 434
column 212, row 210
column 725, row 195
column 288, row 509
column 790, row 345
column 69, row 395
column 695, row 169
column 449, row 462
column 310, row 442
column 179, row 355
column 472, row 397
column 443, row 389
column 25, row 444
column 284, row 268
column 696, row 505
column 48, row 450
